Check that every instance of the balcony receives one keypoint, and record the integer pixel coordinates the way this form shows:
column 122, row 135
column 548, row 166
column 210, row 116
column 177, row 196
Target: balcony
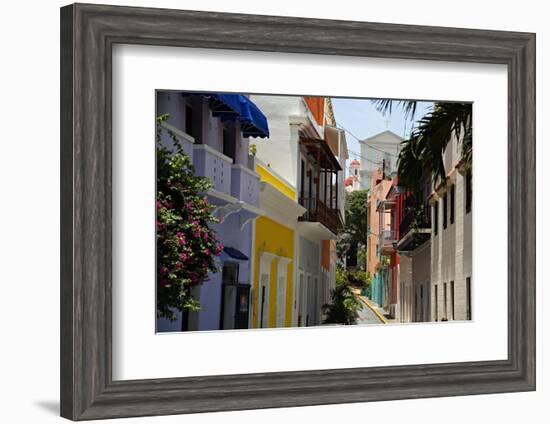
column 185, row 140
column 245, row 185
column 415, row 227
column 317, row 211
column 388, row 239
column 213, row 165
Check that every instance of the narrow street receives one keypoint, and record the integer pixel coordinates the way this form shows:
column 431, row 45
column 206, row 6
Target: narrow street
column 366, row 315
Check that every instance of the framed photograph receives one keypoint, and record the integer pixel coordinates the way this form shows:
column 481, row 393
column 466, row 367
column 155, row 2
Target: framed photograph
column 263, row 212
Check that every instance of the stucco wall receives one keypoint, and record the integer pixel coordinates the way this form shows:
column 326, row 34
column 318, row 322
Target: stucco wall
column 280, row 150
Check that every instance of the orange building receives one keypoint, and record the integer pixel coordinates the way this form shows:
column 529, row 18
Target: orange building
column 376, row 225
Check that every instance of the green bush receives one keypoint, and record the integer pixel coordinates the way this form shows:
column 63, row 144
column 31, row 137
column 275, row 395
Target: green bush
column 344, row 307
column 360, row 279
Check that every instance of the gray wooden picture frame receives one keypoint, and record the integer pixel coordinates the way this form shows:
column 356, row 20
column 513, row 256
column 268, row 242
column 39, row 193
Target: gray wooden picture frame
column 88, row 33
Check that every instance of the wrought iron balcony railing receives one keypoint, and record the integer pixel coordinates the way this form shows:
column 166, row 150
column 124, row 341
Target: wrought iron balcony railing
column 317, row 211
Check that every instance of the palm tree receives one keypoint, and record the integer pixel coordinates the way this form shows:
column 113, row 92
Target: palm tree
column 421, row 156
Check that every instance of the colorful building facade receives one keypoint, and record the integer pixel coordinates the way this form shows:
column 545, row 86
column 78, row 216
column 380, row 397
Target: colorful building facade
column 308, row 153
column 279, row 205
column 273, row 291
column 214, row 132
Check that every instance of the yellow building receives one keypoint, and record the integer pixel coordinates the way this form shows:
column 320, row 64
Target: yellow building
column 273, row 291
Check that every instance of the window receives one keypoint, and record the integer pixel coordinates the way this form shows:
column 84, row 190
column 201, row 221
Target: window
column 230, row 273
column 229, row 141
column 302, row 177
column 264, row 313
column 436, row 217
column 444, row 302
column 416, row 304
column 468, row 299
column 310, row 187
column 436, row 303
column 445, row 211
column 421, row 303
column 281, row 300
column 452, row 204
column 193, row 118
column 452, row 300
column 230, row 278
column 468, row 192
column 189, row 119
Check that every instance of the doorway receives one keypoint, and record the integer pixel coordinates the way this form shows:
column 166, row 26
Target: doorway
column 235, row 299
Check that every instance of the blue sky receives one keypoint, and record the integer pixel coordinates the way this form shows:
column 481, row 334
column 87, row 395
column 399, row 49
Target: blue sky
column 360, row 118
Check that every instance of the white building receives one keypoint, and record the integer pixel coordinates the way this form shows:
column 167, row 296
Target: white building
column 451, row 240
column 380, row 150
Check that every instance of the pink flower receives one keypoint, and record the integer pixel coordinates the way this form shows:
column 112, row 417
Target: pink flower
column 183, row 256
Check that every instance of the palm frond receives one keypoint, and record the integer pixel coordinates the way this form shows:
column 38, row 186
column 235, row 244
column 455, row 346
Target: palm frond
column 385, row 106
column 422, row 154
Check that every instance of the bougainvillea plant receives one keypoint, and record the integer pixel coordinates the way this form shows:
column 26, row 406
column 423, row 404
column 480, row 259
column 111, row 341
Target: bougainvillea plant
column 186, row 245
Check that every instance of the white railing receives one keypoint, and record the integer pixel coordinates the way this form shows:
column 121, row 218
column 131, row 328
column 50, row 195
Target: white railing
column 245, row 185
column 213, row 165
column 184, row 139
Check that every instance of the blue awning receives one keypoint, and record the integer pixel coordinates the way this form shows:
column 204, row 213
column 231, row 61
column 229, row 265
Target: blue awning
column 235, row 253
column 236, row 107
